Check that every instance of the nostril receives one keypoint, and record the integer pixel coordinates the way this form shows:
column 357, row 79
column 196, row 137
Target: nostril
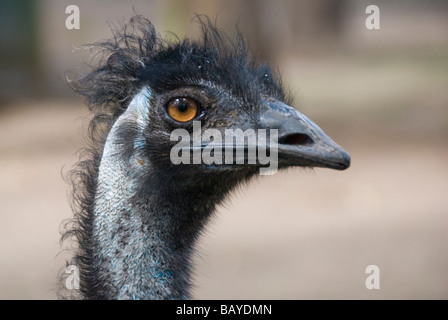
column 295, row 139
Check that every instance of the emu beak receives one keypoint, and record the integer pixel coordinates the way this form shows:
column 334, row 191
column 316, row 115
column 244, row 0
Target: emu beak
column 300, row 141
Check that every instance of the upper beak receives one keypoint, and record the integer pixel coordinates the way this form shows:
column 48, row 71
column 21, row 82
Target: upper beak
column 300, row 141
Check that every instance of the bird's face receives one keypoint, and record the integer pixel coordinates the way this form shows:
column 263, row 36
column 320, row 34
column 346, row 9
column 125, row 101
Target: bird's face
column 202, row 115
column 194, row 98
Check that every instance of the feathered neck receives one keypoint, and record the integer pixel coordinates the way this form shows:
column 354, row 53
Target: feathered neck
column 139, row 252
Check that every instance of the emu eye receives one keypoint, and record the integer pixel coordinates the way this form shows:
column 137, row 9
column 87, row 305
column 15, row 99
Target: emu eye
column 182, row 109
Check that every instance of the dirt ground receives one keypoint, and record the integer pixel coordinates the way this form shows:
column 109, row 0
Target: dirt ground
column 299, row 234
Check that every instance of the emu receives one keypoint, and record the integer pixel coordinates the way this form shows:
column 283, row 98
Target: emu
column 137, row 215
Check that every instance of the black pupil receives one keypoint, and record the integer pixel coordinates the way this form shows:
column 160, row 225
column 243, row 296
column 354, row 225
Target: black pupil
column 182, row 107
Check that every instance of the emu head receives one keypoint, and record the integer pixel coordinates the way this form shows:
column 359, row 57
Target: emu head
column 152, row 88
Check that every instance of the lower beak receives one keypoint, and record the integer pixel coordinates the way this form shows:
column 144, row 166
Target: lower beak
column 300, row 141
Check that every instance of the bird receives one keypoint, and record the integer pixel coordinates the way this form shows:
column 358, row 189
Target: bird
column 137, row 215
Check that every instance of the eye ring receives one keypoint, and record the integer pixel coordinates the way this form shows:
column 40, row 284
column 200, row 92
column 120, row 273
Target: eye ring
column 182, row 109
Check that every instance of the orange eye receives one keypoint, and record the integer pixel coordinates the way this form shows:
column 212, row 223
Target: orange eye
column 182, row 109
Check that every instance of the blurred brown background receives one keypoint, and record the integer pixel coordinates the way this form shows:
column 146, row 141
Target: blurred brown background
column 382, row 94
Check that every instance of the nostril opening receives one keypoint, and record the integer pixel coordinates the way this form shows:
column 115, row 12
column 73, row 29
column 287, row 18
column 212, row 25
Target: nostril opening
column 296, row 139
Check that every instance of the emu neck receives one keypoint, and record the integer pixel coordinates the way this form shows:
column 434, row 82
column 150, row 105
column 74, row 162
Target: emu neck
column 140, row 252
column 138, row 256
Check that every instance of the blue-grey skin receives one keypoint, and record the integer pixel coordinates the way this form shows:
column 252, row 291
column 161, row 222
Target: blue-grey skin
column 132, row 256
